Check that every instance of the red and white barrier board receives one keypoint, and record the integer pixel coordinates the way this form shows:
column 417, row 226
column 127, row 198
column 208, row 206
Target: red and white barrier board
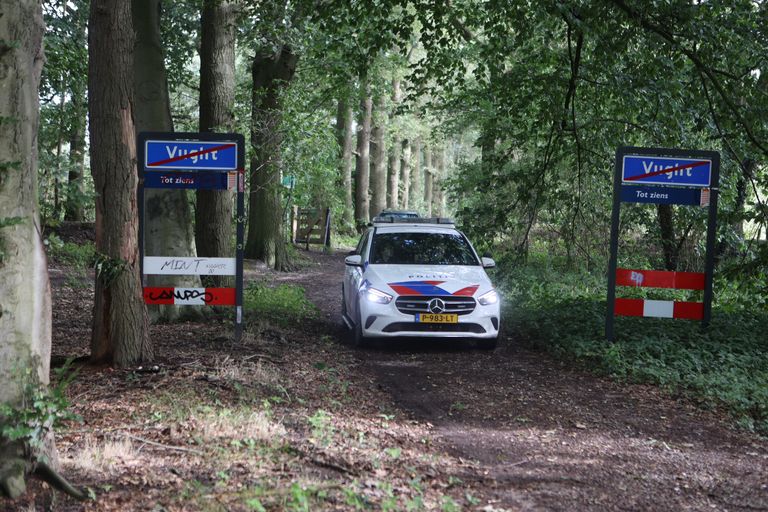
column 190, row 296
column 660, row 279
column 659, row 308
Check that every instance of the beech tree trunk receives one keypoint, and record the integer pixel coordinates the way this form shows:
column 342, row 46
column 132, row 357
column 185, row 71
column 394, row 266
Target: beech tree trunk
column 362, row 163
column 405, row 174
column 25, row 295
column 120, row 323
column 415, row 199
column 168, row 229
column 75, row 207
column 437, row 184
column 271, row 75
column 428, row 170
column 378, row 163
column 213, row 212
column 668, row 241
column 393, row 173
column 344, row 135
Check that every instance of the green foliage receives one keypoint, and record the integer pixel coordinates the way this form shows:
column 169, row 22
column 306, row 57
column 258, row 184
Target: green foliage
column 108, row 269
column 563, row 312
column 284, row 304
column 69, row 253
column 42, row 408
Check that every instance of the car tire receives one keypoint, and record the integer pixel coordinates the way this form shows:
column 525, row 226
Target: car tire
column 358, row 339
column 487, row 344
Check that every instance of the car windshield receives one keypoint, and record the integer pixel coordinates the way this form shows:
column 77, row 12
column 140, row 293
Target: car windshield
column 421, row 249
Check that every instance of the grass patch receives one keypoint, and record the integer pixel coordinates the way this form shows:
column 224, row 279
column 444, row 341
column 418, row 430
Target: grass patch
column 283, row 304
column 725, row 366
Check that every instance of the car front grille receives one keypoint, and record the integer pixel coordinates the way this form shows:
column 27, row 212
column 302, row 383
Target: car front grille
column 420, row 304
column 424, row 327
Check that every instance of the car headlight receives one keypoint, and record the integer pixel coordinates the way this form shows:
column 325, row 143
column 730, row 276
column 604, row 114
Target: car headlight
column 376, row 296
column 489, row 298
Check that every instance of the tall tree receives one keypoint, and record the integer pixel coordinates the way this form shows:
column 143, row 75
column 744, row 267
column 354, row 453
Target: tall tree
column 25, row 322
column 213, row 214
column 428, row 179
column 120, row 323
column 378, row 162
column 271, row 72
column 416, row 176
column 405, row 174
column 167, row 215
column 393, row 166
column 362, row 163
column 344, row 134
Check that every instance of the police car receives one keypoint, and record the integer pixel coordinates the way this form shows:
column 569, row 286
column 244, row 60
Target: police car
column 419, row 278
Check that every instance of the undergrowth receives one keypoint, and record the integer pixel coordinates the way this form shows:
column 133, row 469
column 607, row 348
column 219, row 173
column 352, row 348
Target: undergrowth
column 725, row 365
column 284, row 304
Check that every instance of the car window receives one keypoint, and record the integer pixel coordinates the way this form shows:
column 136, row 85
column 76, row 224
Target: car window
column 421, row 249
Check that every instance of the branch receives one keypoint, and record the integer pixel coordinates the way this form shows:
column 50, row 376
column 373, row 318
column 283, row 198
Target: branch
column 697, row 62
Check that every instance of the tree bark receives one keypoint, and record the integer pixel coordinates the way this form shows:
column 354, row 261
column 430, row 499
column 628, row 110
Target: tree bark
column 668, row 242
column 271, row 75
column 25, row 295
column 415, row 199
column 393, row 171
column 438, row 208
column 75, row 207
column 213, row 212
column 345, row 135
column 168, row 229
column 362, row 163
column 120, row 322
column 405, row 174
column 428, row 173
column 378, row 163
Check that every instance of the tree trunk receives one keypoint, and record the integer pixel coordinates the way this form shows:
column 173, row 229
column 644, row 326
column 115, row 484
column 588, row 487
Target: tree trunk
column 393, row 187
column 415, row 200
column 668, row 242
column 213, row 212
column 271, row 75
column 378, row 163
column 75, row 207
column 168, row 229
column 428, row 173
column 362, row 163
column 25, row 295
column 437, row 184
column 120, row 323
column 344, row 135
column 405, row 174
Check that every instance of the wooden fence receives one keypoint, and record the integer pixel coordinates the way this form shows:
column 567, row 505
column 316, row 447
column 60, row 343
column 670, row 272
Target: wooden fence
column 311, row 226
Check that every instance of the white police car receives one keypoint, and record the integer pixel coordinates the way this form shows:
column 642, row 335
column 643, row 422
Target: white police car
column 419, row 277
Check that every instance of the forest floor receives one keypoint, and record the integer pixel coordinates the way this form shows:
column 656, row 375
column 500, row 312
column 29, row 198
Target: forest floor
column 292, row 418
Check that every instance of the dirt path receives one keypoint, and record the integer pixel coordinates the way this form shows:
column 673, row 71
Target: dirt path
column 538, row 434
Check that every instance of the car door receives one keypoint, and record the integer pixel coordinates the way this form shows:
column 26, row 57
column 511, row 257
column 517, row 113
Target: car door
column 353, row 277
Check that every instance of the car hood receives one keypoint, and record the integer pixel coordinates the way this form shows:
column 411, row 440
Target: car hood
column 429, row 280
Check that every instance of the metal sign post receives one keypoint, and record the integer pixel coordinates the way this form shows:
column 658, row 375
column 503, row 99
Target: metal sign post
column 200, row 161
column 663, row 176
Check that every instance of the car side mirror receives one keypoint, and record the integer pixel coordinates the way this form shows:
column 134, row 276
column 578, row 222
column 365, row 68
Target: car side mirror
column 351, row 253
column 488, row 262
column 487, row 254
column 354, row 260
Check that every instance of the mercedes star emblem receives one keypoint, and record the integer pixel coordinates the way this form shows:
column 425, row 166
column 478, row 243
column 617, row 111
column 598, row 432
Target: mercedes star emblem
column 436, row 306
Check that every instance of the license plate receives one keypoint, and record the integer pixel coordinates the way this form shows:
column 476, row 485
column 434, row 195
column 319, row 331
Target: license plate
column 441, row 318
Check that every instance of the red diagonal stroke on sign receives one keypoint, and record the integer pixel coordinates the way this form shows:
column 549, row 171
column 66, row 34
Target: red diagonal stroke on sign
column 190, row 155
column 666, row 171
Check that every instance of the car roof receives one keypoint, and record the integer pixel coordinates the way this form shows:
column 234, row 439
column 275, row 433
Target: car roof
column 414, row 228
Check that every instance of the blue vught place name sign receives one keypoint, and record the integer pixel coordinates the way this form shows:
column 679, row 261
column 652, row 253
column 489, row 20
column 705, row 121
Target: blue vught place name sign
column 191, row 180
column 190, row 155
column 658, row 170
column 660, row 195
